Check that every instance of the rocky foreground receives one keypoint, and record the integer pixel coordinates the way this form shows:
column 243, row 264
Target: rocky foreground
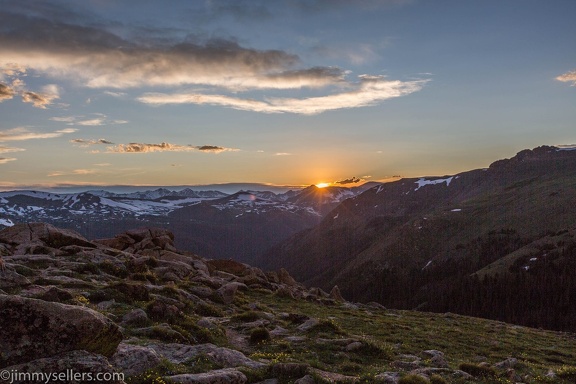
column 136, row 305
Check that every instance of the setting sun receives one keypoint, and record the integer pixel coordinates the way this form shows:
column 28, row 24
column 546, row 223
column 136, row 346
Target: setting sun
column 322, row 185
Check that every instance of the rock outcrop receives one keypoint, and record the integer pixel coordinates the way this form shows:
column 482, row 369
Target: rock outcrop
column 42, row 238
column 33, row 329
column 137, row 309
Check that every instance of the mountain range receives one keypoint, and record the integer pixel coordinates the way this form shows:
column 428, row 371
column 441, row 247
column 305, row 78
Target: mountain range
column 498, row 242
column 239, row 225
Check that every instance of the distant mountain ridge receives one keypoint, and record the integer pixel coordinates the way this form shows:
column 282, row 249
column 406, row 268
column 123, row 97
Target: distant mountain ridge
column 404, row 243
column 249, row 221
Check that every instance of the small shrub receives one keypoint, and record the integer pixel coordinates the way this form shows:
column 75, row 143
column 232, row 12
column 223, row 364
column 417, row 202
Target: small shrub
column 478, row 370
column 245, row 317
column 136, row 266
column 152, row 262
column 201, row 363
column 168, row 335
column 87, row 268
column 351, row 368
column 170, row 292
column 25, row 271
column 101, row 295
column 259, row 335
column 567, row 372
column 82, row 300
column 146, row 276
column 112, row 269
column 155, row 375
column 204, row 309
column 413, row 379
column 375, row 348
column 254, row 375
column 437, row 379
column 187, row 326
column 327, row 326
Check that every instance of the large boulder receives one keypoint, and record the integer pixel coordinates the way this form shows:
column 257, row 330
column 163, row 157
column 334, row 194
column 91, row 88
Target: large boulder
column 9, row 278
column 140, row 240
column 33, row 329
column 26, row 237
column 135, row 359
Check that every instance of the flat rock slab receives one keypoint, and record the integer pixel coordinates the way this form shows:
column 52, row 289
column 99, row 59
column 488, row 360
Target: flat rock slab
column 219, row 376
column 178, row 353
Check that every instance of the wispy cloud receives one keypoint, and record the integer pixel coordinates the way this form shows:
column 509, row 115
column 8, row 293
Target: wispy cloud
column 91, row 122
column 4, row 160
column 369, row 91
column 282, row 154
column 115, row 94
column 86, row 143
column 165, row 147
column 568, row 77
column 72, row 173
column 98, row 119
column 352, row 180
column 63, row 119
column 4, row 149
column 19, row 134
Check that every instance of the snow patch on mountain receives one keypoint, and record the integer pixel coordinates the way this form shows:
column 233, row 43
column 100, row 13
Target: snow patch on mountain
column 6, row 222
column 568, row 147
column 423, row 181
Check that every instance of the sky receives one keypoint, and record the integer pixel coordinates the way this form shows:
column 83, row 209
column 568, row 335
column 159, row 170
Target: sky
column 289, row 93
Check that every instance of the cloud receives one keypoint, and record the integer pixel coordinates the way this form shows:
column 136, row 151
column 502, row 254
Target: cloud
column 369, row 91
column 19, row 134
column 100, row 119
column 101, row 59
column 352, row 180
column 41, row 99
column 568, row 77
column 4, row 149
column 74, row 172
column 64, row 119
column 282, row 154
column 214, row 148
column 98, row 58
column 12, row 70
column 146, row 148
column 165, row 147
column 115, row 94
column 330, row 5
column 6, row 92
column 258, row 10
column 91, row 122
column 4, row 160
column 85, row 143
